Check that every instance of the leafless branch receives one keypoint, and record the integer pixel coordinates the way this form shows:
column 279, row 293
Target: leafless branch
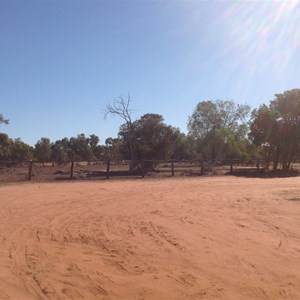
column 120, row 107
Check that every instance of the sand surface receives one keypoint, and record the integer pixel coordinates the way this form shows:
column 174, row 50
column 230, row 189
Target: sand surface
column 181, row 238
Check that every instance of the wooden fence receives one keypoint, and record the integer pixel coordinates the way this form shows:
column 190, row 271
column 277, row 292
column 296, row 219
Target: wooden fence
column 47, row 171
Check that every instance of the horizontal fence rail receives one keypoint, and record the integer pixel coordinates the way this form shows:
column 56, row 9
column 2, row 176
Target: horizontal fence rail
column 11, row 171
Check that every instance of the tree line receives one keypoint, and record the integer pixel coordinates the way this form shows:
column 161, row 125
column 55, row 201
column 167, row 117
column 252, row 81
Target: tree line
column 218, row 130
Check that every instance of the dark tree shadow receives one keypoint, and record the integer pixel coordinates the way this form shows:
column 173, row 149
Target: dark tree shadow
column 262, row 173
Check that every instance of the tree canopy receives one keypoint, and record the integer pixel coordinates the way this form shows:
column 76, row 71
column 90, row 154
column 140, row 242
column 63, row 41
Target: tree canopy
column 15, row 150
column 219, row 127
column 275, row 129
column 152, row 138
column 217, row 130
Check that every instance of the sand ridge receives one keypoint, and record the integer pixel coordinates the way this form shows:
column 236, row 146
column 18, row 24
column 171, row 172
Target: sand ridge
column 179, row 238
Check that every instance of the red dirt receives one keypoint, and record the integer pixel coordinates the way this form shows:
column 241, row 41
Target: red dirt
column 179, row 238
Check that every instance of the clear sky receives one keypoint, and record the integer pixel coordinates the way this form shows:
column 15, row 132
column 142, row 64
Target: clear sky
column 63, row 61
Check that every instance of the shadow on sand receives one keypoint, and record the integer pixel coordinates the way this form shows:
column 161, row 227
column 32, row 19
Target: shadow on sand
column 262, row 173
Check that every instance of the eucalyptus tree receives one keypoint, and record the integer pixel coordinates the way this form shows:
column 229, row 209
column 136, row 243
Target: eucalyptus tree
column 42, row 150
column 151, row 137
column 21, row 151
column 80, row 149
column 219, row 125
column 276, row 129
column 5, row 146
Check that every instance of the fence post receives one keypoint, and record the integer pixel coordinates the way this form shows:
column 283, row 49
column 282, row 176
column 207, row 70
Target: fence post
column 131, row 166
column 143, row 169
column 107, row 169
column 72, row 169
column 257, row 164
column 30, row 170
column 172, row 168
column 202, row 167
column 231, row 168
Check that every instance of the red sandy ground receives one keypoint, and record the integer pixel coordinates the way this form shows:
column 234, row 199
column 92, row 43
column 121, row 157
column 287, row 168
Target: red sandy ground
column 179, row 238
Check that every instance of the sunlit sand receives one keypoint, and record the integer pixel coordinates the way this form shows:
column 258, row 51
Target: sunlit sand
column 180, row 238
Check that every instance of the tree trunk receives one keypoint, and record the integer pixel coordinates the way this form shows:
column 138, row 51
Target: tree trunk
column 276, row 160
column 213, row 149
column 275, row 164
column 213, row 153
column 284, row 166
column 132, row 154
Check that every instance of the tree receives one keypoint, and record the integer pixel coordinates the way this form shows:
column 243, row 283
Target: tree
column 5, row 141
column 14, row 150
column 5, row 147
column 120, row 108
column 97, row 149
column 3, row 120
column 42, row 150
column 152, row 139
column 60, row 150
column 80, row 148
column 276, row 129
column 287, row 106
column 113, row 149
column 183, row 147
column 20, row 151
column 217, row 125
column 264, row 133
column 93, row 141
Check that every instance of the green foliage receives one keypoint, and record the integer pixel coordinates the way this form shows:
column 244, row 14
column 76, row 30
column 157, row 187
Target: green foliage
column 79, row 148
column 14, row 150
column 98, row 150
column 60, row 150
column 217, row 130
column 5, row 146
column 21, row 151
column 93, row 141
column 275, row 129
column 42, row 150
column 152, row 139
column 184, row 147
column 219, row 127
column 113, row 149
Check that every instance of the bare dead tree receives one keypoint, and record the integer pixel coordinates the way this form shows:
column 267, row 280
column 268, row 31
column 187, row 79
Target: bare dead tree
column 121, row 108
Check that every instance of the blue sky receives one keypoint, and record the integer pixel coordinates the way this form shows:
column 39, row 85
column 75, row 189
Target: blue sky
column 62, row 62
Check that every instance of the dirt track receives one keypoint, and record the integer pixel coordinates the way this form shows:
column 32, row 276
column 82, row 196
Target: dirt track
column 199, row 238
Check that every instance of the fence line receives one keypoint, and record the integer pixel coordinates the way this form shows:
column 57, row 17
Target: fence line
column 107, row 169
